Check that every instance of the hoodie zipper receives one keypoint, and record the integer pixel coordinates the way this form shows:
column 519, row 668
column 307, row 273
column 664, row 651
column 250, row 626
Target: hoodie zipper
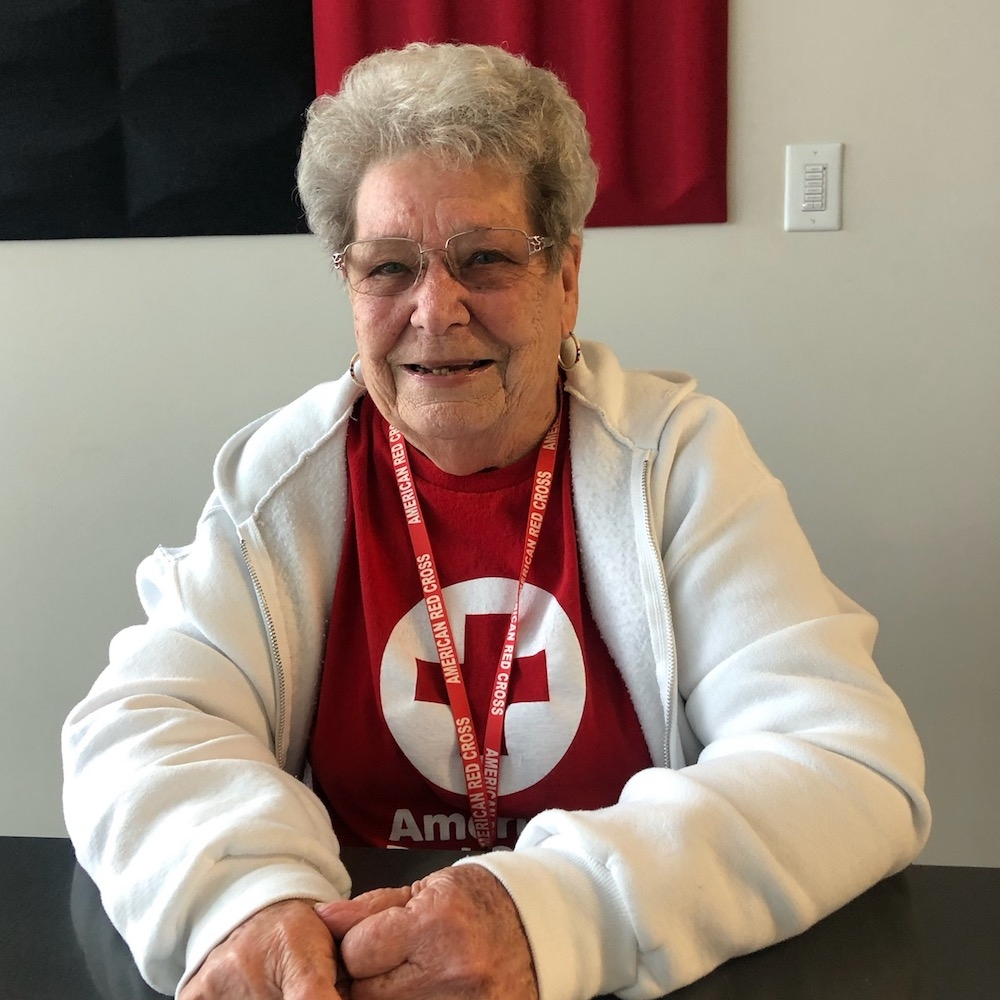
column 278, row 669
column 665, row 599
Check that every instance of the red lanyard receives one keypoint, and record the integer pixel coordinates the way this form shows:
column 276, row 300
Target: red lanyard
column 481, row 766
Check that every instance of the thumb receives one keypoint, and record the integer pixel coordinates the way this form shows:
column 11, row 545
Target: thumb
column 341, row 915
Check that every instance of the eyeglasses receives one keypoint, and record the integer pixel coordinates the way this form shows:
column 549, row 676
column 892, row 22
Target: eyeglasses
column 481, row 259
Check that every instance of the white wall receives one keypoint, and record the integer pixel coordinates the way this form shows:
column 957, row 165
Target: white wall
column 863, row 364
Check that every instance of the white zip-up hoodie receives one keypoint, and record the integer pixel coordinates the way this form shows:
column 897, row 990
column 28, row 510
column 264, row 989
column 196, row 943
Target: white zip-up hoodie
column 788, row 778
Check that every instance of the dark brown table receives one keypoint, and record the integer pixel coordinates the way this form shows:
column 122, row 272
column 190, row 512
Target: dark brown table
column 929, row 933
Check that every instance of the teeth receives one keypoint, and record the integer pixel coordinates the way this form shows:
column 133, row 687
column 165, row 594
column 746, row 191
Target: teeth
column 446, row 369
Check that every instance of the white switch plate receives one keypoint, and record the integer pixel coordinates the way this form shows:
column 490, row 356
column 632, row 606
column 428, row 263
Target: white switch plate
column 813, row 186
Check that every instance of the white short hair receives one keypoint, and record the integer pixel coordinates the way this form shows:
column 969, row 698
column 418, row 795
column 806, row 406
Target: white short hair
column 463, row 103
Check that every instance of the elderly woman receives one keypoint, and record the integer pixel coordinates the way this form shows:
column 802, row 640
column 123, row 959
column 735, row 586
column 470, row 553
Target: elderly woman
column 485, row 590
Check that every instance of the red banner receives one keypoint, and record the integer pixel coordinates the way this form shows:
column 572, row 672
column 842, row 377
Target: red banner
column 650, row 76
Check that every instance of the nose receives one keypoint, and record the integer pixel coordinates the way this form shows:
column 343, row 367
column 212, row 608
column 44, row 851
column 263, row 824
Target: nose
column 439, row 298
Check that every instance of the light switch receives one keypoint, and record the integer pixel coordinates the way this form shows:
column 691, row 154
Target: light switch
column 813, row 186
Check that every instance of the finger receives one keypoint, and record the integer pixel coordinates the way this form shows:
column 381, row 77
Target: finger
column 341, row 915
column 403, row 983
column 378, row 944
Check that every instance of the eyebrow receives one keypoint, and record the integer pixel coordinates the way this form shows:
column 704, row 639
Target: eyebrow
column 470, row 228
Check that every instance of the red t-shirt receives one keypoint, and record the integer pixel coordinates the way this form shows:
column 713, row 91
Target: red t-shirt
column 383, row 751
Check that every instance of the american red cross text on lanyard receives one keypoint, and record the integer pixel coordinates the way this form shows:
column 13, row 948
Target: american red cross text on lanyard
column 481, row 765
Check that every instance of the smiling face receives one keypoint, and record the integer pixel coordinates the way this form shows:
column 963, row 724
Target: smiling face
column 468, row 377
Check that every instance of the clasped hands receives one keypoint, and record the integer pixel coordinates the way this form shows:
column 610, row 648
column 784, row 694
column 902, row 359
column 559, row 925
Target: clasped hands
column 453, row 935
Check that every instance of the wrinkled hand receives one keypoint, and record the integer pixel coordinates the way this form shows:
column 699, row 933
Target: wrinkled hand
column 454, row 935
column 283, row 951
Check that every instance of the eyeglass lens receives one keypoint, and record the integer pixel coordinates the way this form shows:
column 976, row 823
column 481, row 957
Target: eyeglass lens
column 483, row 259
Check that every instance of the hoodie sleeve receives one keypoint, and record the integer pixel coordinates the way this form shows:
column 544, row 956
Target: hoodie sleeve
column 804, row 781
column 173, row 796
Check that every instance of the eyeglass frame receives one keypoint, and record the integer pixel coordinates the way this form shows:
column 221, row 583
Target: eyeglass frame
column 536, row 244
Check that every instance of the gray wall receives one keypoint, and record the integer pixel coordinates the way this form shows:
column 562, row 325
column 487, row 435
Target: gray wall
column 863, row 364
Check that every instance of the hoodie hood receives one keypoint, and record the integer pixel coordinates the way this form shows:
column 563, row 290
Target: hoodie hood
column 257, row 459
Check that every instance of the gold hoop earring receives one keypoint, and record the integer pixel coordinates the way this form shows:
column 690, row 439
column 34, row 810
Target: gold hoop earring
column 354, row 369
column 576, row 353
